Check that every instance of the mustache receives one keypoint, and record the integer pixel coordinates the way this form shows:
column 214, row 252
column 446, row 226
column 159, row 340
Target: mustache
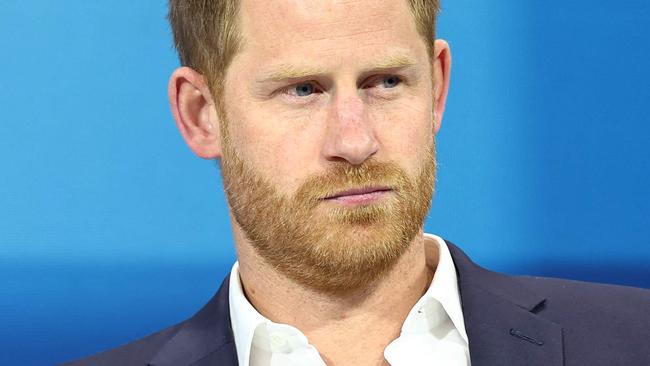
column 343, row 177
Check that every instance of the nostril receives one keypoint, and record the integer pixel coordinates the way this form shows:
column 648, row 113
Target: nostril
column 355, row 147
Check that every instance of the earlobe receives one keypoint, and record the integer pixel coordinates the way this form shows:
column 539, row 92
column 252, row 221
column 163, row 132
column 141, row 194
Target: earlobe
column 441, row 74
column 194, row 112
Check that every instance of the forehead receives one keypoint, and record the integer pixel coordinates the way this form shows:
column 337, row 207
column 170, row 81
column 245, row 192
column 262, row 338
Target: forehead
column 327, row 29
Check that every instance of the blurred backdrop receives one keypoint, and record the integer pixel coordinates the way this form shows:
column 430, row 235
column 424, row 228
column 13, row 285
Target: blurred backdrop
column 111, row 229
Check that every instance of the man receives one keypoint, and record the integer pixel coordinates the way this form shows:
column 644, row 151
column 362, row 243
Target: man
column 323, row 116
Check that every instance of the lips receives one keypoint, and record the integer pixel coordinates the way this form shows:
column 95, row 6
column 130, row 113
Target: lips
column 358, row 192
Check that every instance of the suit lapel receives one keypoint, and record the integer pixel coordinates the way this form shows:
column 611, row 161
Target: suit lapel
column 204, row 339
column 502, row 321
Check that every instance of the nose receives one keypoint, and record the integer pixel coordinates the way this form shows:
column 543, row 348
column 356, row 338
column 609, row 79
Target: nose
column 350, row 134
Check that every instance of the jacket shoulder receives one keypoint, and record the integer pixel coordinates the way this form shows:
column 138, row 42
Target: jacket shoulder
column 567, row 301
column 589, row 323
column 579, row 297
column 609, row 320
column 206, row 336
column 136, row 353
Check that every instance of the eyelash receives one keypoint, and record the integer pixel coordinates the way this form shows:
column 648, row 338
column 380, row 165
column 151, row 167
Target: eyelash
column 373, row 81
column 381, row 78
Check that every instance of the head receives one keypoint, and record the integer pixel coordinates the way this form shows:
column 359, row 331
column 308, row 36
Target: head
column 323, row 116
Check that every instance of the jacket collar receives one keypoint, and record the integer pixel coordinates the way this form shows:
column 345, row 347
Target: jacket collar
column 204, row 339
column 501, row 319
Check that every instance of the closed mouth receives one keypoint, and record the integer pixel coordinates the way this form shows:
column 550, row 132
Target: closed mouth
column 358, row 191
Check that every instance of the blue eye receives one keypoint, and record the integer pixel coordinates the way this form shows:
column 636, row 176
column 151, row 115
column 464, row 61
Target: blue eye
column 304, row 90
column 391, row 81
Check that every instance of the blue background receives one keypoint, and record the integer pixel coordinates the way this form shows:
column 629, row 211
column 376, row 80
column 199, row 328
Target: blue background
column 111, row 229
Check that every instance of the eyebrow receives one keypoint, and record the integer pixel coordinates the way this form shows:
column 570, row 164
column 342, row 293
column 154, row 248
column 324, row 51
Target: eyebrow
column 292, row 72
column 288, row 72
column 394, row 62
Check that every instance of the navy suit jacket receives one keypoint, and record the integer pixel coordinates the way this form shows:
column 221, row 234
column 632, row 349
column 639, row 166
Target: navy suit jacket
column 510, row 320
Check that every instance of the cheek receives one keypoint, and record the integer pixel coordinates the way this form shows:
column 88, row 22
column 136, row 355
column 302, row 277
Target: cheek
column 405, row 129
column 279, row 146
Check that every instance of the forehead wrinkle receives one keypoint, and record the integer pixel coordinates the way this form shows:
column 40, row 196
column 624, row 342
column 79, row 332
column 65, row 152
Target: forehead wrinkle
column 317, row 19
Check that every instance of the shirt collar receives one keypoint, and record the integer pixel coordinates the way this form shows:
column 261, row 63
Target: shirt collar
column 244, row 317
column 444, row 286
column 443, row 289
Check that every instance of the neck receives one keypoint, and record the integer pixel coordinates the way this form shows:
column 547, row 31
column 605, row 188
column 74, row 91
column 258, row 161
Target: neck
column 366, row 319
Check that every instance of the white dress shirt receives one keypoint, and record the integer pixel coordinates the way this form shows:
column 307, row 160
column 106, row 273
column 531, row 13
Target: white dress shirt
column 432, row 334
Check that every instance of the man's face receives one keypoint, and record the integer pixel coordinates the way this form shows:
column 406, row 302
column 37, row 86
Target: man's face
column 328, row 137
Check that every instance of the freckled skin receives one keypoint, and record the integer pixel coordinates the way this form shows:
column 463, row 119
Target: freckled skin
column 276, row 137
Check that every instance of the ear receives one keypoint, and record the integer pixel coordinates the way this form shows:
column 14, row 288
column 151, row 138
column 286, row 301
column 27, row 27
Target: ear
column 441, row 74
column 195, row 113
